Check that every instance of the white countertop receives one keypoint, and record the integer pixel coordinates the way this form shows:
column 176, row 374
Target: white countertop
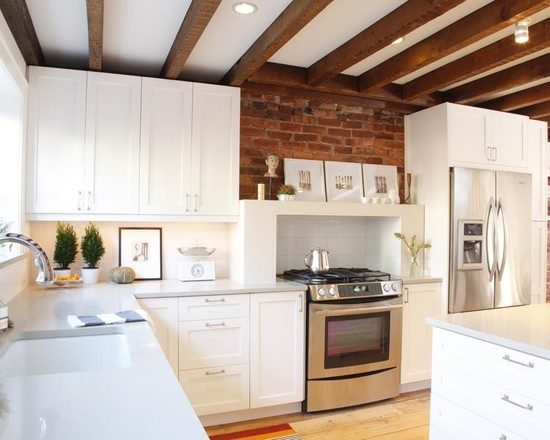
column 524, row 328
column 143, row 401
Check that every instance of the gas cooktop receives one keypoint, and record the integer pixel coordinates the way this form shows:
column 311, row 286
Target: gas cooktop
column 339, row 275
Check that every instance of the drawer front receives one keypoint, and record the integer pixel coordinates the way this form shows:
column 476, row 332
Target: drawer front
column 452, row 422
column 216, row 390
column 216, row 306
column 213, row 343
column 497, row 404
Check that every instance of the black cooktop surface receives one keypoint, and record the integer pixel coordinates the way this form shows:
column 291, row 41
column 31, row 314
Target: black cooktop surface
column 336, row 276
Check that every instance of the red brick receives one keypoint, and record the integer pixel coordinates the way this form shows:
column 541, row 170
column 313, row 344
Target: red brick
column 290, row 126
column 339, row 132
column 329, row 122
column 305, row 137
column 317, row 129
column 283, row 135
column 363, row 133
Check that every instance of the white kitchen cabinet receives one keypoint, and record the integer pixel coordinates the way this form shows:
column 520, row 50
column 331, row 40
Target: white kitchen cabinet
column 165, row 155
column 468, row 135
column 539, row 262
column 277, row 348
column 215, row 150
column 163, row 312
column 508, row 139
column 112, row 143
column 55, row 142
column 538, row 133
column 419, row 301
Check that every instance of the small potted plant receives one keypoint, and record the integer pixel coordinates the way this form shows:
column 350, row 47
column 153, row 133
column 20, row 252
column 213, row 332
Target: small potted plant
column 92, row 252
column 66, row 248
column 286, row 192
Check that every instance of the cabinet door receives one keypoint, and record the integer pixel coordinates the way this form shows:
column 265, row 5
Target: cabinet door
column 215, row 169
column 165, row 154
column 419, row 302
column 276, row 348
column 55, row 148
column 538, row 262
column 112, row 143
column 468, row 135
column 164, row 314
column 509, row 135
column 538, row 132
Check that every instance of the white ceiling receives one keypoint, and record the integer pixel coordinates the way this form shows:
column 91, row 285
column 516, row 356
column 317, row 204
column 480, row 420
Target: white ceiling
column 138, row 34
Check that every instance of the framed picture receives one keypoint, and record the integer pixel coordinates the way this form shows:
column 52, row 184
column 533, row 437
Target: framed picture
column 344, row 182
column 308, row 176
column 379, row 180
column 141, row 249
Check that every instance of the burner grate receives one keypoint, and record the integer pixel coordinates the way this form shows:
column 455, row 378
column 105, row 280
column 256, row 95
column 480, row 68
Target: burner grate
column 336, row 276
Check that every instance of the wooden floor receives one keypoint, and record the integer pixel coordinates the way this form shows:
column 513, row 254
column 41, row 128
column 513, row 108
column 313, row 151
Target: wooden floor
column 403, row 418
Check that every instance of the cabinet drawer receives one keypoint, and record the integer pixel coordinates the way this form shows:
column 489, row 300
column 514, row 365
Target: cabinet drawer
column 213, row 343
column 212, row 307
column 216, row 390
column 452, row 422
column 498, row 404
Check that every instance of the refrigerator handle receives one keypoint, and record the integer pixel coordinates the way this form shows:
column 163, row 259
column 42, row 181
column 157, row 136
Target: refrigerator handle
column 490, row 239
column 500, row 219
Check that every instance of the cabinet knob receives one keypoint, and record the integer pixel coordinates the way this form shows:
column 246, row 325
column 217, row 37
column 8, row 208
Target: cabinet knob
column 80, row 200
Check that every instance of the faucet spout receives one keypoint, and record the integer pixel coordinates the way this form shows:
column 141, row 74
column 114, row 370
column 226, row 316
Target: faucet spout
column 45, row 271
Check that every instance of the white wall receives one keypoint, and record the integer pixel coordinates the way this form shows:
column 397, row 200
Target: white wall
column 174, row 235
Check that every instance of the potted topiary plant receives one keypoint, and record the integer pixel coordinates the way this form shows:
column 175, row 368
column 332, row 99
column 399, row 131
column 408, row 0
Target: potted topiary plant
column 66, row 248
column 92, row 252
column 286, row 192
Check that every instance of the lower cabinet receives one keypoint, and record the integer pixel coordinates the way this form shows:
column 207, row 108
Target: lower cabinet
column 419, row 301
column 538, row 262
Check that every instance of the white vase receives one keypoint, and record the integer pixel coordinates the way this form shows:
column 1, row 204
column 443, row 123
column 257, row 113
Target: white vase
column 62, row 272
column 90, row 276
column 286, row 197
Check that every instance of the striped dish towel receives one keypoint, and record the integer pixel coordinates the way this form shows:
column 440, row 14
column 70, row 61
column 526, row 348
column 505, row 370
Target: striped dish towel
column 107, row 318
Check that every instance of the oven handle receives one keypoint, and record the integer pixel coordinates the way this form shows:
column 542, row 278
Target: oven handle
column 355, row 311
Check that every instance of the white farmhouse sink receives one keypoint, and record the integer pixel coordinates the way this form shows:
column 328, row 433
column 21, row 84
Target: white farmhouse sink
column 31, row 357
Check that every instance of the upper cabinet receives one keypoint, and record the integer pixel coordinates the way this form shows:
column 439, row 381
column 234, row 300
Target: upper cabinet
column 538, row 152
column 103, row 144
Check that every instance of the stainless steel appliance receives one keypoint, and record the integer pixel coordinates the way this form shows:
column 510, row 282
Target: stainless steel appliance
column 354, row 322
column 490, row 240
column 317, row 261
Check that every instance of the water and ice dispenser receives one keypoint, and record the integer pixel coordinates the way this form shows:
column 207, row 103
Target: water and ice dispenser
column 470, row 244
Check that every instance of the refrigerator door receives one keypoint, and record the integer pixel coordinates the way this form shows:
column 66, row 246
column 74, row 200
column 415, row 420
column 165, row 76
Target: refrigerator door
column 513, row 239
column 472, row 259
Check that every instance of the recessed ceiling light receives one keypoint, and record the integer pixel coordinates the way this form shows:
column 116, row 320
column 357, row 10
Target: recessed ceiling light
column 521, row 33
column 398, row 41
column 244, row 8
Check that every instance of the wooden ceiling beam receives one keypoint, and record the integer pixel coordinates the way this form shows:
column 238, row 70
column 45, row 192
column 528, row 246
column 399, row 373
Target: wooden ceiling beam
column 297, row 15
column 521, row 74
column 94, row 9
column 524, row 98
column 399, row 22
column 19, row 21
column 193, row 25
column 489, row 57
column 481, row 23
column 537, row 111
column 296, row 77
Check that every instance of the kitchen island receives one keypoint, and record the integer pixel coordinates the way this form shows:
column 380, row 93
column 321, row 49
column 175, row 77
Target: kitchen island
column 491, row 374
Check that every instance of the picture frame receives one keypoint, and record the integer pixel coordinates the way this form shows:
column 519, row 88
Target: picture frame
column 344, row 181
column 308, row 176
column 379, row 180
column 141, row 249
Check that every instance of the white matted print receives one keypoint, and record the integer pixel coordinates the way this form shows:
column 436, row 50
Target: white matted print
column 308, row 176
column 379, row 180
column 141, row 249
column 344, row 181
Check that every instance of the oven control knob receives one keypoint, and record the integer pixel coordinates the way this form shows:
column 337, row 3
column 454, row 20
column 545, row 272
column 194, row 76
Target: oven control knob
column 321, row 292
column 332, row 291
column 386, row 288
column 394, row 287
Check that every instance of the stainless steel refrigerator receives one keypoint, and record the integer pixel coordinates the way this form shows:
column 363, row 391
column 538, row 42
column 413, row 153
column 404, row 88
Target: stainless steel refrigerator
column 490, row 261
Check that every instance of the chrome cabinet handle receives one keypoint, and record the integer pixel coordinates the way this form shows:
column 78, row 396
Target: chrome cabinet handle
column 221, row 324
column 495, row 156
column 196, row 197
column 210, row 373
column 406, row 299
column 208, row 300
column 89, row 207
column 507, row 357
column 489, row 155
column 301, row 303
column 80, row 200
column 186, row 202
column 528, row 406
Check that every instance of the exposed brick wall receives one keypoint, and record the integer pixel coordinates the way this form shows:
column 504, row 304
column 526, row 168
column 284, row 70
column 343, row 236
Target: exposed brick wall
column 304, row 125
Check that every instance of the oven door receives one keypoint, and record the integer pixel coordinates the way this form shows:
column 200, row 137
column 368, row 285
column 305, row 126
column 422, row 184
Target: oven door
column 347, row 339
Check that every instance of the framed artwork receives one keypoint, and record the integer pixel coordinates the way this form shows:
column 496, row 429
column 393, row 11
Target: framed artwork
column 308, row 176
column 344, row 182
column 141, row 249
column 379, row 180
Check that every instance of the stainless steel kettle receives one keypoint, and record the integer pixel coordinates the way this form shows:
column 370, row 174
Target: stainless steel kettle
column 317, row 261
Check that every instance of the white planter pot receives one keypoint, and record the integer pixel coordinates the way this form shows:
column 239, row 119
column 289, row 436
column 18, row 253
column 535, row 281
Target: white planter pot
column 62, row 272
column 90, row 276
column 285, row 197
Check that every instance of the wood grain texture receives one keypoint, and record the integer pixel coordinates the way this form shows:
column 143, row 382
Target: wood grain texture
column 403, row 418
column 524, row 98
column 298, row 14
column 94, row 9
column 481, row 23
column 497, row 54
column 193, row 25
column 521, row 74
column 399, row 22
column 536, row 111
column 19, row 21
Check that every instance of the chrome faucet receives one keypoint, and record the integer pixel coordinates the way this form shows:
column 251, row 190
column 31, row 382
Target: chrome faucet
column 45, row 272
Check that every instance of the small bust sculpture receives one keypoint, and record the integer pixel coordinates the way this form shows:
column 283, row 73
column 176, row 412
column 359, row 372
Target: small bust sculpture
column 272, row 162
